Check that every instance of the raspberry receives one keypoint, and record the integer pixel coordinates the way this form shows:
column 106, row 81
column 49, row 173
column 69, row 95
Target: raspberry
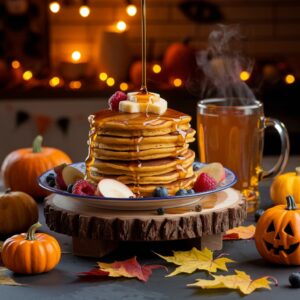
column 115, row 99
column 204, row 183
column 83, row 188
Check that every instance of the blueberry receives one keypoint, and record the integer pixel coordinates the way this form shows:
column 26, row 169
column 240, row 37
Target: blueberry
column 160, row 192
column 294, row 280
column 181, row 192
column 258, row 214
column 191, row 192
column 196, row 166
column 160, row 211
column 50, row 177
column 198, row 208
column 70, row 188
column 52, row 182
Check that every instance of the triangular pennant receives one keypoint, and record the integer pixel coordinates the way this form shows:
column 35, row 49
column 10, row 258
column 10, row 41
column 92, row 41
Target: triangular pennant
column 42, row 123
column 21, row 117
column 63, row 123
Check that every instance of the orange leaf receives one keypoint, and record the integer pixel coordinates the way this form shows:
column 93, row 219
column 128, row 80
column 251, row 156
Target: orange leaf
column 240, row 281
column 129, row 268
column 240, row 233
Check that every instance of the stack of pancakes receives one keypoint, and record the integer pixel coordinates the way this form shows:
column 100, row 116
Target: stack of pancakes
column 144, row 151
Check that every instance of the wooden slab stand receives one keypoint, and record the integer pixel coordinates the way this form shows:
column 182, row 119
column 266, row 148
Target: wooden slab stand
column 96, row 231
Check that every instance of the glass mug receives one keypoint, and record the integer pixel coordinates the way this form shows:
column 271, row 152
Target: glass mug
column 233, row 134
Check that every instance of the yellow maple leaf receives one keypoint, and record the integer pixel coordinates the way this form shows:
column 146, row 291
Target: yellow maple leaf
column 190, row 261
column 240, row 232
column 241, row 281
column 6, row 279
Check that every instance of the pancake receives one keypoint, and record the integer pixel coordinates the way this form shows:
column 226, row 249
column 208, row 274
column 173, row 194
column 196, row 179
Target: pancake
column 139, row 155
column 147, row 167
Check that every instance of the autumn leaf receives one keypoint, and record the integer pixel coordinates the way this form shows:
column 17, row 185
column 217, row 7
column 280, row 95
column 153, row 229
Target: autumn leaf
column 190, row 261
column 241, row 281
column 240, row 233
column 5, row 279
column 129, row 268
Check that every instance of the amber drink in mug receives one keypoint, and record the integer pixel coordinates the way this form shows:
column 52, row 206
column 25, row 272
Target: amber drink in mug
column 233, row 134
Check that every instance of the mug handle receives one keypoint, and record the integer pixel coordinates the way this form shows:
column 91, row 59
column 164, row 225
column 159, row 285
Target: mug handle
column 285, row 148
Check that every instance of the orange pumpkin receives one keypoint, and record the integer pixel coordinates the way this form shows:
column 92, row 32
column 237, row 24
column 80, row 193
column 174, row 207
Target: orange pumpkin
column 31, row 253
column 179, row 61
column 277, row 234
column 18, row 211
column 22, row 167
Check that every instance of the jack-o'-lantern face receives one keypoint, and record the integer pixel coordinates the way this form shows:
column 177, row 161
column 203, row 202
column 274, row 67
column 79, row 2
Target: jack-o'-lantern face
column 277, row 234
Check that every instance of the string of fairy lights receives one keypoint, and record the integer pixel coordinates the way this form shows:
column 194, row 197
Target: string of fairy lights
column 84, row 11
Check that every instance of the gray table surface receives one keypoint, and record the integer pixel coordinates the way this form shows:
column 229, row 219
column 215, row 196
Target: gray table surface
column 62, row 283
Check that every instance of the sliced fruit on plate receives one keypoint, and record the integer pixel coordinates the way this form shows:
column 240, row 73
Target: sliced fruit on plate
column 84, row 188
column 214, row 170
column 70, row 175
column 59, row 178
column 112, row 188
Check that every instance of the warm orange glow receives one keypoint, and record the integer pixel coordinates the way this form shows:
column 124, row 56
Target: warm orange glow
column 244, row 75
column 177, row 82
column 124, row 86
column 27, row 75
column 103, row 76
column 15, row 64
column 54, row 81
column 84, row 11
column 76, row 55
column 110, row 81
column 75, row 85
column 131, row 10
column 156, row 68
column 121, row 26
column 289, row 79
column 54, row 7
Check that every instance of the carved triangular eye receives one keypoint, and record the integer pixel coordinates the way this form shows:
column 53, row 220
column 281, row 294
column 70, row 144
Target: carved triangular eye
column 288, row 229
column 271, row 227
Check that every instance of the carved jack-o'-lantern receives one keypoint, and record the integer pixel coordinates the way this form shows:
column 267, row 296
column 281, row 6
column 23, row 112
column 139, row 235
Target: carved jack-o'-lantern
column 277, row 235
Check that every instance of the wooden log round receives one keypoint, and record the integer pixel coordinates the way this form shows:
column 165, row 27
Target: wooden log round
column 84, row 222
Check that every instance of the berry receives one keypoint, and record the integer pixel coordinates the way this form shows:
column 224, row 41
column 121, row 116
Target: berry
column 84, row 188
column 191, row 192
column 50, row 177
column 52, row 182
column 294, row 280
column 181, row 192
column 258, row 214
column 204, row 183
column 115, row 99
column 196, row 166
column 198, row 208
column 70, row 188
column 161, row 192
column 160, row 211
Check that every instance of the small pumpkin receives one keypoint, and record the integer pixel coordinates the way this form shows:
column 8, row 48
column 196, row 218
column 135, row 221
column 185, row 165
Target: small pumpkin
column 18, row 211
column 179, row 60
column 21, row 168
column 31, row 253
column 286, row 184
column 277, row 234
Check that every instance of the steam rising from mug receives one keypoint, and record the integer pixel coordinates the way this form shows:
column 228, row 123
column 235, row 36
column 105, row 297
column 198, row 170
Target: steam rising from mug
column 221, row 64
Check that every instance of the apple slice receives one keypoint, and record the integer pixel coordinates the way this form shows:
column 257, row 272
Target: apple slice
column 59, row 178
column 70, row 175
column 214, row 170
column 112, row 188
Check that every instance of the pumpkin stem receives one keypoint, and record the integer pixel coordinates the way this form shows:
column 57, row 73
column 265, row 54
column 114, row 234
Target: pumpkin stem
column 37, row 144
column 291, row 205
column 297, row 171
column 30, row 236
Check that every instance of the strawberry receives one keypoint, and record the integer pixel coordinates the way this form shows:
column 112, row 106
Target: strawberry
column 83, row 188
column 115, row 99
column 205, row 183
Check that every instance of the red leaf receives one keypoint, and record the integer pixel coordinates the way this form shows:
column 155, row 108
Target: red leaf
column 93, row 273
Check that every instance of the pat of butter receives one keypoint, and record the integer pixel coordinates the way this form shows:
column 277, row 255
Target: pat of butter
column 143, row 98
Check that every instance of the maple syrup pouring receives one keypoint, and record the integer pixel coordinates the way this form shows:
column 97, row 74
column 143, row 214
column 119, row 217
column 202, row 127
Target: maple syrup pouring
column 144, row 54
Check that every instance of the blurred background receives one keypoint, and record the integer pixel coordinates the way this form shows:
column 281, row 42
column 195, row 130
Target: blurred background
column 61, row 60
